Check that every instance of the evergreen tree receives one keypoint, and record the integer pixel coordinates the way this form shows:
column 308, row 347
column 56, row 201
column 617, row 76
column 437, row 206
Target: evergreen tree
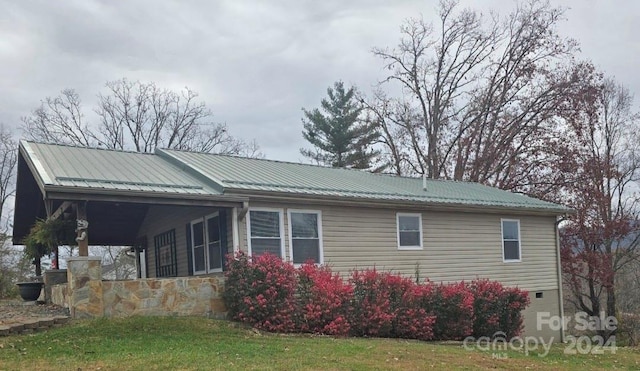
column 340, row 137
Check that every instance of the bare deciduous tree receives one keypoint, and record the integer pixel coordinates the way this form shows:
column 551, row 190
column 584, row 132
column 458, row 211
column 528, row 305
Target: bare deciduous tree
column 59, row 120
column 603, row 164
column 479, row 95
column 436, row 66
column 135, row 116
column 8, row 162
column 12, row 267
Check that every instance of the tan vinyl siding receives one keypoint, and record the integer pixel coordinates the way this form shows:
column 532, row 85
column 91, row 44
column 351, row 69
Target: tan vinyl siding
column 457, row 246
column 160, row 219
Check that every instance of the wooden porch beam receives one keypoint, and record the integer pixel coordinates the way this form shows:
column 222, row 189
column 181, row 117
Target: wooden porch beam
column 56, row 214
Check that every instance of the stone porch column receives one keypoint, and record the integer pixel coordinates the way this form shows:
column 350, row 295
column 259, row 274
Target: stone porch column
column 84, row 285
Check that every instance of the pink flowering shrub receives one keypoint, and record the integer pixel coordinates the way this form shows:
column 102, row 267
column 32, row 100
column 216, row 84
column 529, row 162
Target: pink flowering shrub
column 272, row 295
column 370, row 312
column 411, row 320
column 452, row 306
column 261, row 292
column 323, row 299
column 497, row 308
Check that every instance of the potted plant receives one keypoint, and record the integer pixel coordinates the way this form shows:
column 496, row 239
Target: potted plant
column 30, row 291
column 44, row 237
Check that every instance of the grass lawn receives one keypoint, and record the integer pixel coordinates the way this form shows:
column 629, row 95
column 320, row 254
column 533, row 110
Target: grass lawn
column 160, row 343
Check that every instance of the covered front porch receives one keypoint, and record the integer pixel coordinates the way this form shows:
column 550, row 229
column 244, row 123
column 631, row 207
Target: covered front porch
column 179, row 227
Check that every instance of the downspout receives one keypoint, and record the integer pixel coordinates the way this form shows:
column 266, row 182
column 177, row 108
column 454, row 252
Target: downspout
column 559, row 272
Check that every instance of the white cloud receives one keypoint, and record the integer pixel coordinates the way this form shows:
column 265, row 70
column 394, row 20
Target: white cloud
column 256, row 64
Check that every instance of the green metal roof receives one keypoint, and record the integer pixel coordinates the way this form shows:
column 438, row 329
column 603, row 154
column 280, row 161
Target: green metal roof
column 237, row 173
column 193, row 174
column 79, row 167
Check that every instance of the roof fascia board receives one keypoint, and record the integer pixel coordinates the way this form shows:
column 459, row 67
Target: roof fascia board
column 405, row 204
column 35, row 166
column 92, row 194
column 192, row 170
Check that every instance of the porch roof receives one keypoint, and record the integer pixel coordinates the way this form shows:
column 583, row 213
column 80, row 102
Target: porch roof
column 78, row 167
column 118, row 185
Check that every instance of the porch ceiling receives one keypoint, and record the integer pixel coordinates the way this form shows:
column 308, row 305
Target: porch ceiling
column 110, row 223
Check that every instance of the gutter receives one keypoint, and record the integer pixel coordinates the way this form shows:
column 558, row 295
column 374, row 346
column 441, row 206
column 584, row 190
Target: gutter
column 407, row 204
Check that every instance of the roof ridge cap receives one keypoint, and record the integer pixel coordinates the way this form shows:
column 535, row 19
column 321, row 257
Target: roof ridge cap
column 71, row 145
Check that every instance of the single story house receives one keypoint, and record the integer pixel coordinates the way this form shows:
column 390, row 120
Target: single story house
column 184, row 211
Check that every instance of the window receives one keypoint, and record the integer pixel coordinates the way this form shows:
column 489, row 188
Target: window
column 409, row 231
column 206, row 244
column 305, row 236
column 165, row 249
column 214, row 244
column 265, row 231
column 511, row 240
column 197, row 243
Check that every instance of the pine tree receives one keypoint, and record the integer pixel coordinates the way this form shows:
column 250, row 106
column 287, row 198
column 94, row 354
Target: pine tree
column 340, row 137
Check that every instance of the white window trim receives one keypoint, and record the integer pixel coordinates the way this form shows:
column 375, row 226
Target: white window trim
column 205, row 240
column 519, row 241
column 193, row 247
column 418, row 247
column 290, row 230
column 281, row 221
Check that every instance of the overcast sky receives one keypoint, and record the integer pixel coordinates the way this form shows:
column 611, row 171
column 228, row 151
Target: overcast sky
column 255, row 63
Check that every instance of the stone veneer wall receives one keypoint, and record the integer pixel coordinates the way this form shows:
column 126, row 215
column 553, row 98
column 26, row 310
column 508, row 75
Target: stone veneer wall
column 84, row 287
column 87, row 295
column 179, row 296
column 59, row 295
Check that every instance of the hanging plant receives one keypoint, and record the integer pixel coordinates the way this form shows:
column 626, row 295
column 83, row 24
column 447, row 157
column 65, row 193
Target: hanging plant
column 45, row 236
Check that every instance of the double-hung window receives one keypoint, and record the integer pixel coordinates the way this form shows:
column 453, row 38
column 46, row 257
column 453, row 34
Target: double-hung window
column 511, row 240
column 266, row 232
column 305, row 236
column 409, row 231
column 206, row 244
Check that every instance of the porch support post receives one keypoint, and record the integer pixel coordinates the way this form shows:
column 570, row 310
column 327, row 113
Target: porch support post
column 82, row 229
column 234, row 228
